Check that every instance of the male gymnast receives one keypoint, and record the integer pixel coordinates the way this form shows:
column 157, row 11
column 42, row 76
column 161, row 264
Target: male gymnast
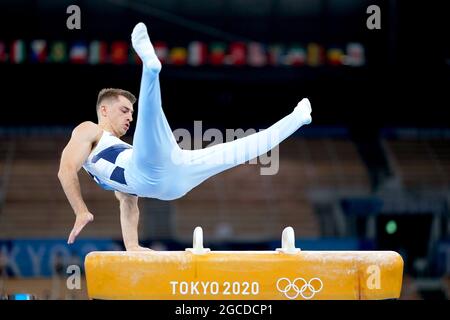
column 154, row 166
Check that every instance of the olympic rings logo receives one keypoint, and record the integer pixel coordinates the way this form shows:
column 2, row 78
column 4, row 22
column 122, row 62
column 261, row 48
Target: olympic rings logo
column 299, row 286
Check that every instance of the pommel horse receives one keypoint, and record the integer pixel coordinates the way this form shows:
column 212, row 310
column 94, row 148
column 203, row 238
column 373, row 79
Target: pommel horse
column 287, row 273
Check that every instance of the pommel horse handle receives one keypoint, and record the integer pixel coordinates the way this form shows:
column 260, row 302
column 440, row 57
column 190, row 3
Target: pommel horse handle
column 288, row 241
column 197, row 245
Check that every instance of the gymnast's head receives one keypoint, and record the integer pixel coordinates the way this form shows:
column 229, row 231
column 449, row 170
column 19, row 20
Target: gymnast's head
column 115, row 110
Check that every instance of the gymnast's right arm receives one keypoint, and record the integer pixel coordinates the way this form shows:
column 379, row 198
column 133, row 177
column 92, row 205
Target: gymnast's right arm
column 73, row 156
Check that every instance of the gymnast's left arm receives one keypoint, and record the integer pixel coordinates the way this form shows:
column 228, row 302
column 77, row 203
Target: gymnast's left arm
column 129, row 221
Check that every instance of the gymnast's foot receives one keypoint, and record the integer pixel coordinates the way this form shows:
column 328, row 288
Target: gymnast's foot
column 303, row 111
column 144, row 48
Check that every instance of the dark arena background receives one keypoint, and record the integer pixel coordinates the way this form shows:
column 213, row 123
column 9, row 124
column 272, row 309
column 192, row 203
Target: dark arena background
column 371, row 172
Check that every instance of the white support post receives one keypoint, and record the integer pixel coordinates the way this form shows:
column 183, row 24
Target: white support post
column 288, row 241
column 197, row 245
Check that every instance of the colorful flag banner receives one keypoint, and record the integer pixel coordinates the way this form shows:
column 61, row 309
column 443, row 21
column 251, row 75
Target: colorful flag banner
column 3, row 53
column 295, row 56
column 119, row 52
column 38, row 51
column 238, row 54
column 257, row 56
column 217, row 53
column 98, row 52
column 276, row 54
column 78, row 53
column 315, row 54
column 178, row 56
column 58, row 52
column 355, row 55
column 197, row 53
column 18, row 51
column 335, row 56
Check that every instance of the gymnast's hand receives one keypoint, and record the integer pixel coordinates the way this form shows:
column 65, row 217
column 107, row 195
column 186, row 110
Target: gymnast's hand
column 83, row 218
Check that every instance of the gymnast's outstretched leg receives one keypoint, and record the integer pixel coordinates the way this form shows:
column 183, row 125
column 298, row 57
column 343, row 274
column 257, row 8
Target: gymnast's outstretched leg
column 154, row 142
column 204, row 163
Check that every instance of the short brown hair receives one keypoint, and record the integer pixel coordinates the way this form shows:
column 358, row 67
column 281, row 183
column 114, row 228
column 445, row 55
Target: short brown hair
column 108, row 93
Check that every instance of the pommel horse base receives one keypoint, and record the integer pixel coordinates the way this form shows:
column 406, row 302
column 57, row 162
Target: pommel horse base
column 284, row 274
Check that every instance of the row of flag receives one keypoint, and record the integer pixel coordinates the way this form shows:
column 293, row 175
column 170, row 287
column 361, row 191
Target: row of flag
column 196, row 53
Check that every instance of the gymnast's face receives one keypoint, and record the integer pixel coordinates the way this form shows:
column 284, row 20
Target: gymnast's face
column 118, row 113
